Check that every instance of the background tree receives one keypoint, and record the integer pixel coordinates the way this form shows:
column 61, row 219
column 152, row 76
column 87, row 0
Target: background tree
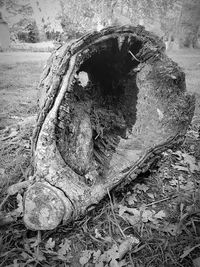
column 26, row 30
column 172, row 19
column 45, row 13
column 189, row 24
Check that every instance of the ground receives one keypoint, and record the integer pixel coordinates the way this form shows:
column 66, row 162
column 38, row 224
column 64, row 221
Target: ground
column 155, row 221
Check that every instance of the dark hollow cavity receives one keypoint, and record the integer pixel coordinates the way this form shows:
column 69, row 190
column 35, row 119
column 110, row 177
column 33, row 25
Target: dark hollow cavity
column 93, row 118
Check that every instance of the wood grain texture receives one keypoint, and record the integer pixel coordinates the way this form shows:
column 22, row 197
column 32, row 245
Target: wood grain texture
column 90, row 139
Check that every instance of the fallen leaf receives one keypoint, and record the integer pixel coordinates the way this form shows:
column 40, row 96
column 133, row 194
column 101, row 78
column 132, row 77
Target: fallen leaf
column 50, row 244
column 114, row 263
column 108, row 239
column 112, row 253
column 147, row 215
column 132, row 199
column 123, row 209
column 65, row 247
column 187, row 160
column 96, row 255
column 123, row 263
column 97, row 234
column 133, row 220
column 86, row 255
column 25, row 255
column 150, row 195
column 40, row 256
column 99, row 264
column 191, row 161
column 132, row 215
column 127, row 245
column 142, row 187
column 160, row 215
column 172, row 229
column 107, row 256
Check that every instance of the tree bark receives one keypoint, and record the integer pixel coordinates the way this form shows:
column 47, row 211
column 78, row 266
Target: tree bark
column 99, row 134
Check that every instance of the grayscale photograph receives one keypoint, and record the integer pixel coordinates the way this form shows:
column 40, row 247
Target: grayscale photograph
column 100, row 133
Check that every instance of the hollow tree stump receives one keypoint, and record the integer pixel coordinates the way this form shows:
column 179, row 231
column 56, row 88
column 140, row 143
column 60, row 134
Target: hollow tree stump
column 95, row 134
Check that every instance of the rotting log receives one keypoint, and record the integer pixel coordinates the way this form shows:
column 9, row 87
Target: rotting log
column 93, row 136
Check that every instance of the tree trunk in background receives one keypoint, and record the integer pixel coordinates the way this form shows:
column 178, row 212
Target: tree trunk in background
column 45, row 15
column 189, row 24
column 38, row 19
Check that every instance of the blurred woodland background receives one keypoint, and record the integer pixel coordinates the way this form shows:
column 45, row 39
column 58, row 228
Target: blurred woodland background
column 33, row 21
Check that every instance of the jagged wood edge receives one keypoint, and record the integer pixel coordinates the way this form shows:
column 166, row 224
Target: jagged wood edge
column 152, row 45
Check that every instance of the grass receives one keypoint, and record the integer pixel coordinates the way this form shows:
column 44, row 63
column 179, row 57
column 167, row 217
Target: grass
column 33, row 47
column 19, row 76
column 170, row 190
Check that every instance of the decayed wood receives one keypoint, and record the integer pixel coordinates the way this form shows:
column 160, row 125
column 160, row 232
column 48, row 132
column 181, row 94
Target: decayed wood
column 90, row 139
